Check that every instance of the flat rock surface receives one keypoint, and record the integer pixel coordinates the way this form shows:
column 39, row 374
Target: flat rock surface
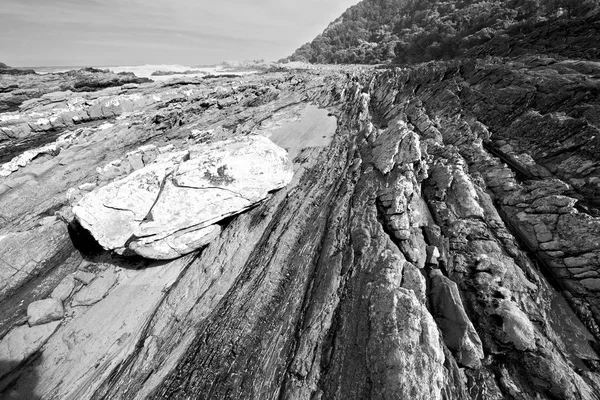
column 95, row 291
column 21, row 343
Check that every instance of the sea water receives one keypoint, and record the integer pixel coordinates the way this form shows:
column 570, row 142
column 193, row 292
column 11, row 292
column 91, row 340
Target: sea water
column 146, row 71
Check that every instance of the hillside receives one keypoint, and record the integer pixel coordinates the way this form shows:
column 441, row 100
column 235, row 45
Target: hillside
column 408, row 31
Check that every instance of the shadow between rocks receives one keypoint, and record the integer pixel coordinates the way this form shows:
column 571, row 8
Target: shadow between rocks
column 93, row 252
column 11, row 388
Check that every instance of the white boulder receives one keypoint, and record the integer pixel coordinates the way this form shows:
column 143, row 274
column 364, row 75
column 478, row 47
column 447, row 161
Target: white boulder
column 170, row 207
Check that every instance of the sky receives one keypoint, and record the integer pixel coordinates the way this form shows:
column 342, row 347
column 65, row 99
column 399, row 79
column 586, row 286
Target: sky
column 136, row 32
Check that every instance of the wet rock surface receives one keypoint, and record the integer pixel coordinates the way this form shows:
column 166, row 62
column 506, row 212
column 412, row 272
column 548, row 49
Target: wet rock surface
column 438, row 240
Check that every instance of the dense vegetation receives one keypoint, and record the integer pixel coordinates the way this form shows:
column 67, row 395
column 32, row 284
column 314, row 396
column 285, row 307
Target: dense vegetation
column 406, row 31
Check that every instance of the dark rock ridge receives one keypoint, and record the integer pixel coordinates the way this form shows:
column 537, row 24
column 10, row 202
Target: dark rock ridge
column 6, row 70
column 440, row 239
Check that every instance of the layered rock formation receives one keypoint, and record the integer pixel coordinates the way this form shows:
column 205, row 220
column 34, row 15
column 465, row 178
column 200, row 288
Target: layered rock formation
column 171, row 206
column 17, row 86
column 438, row 239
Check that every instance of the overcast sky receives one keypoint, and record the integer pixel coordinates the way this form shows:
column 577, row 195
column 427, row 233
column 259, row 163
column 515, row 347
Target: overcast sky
column 132, row 32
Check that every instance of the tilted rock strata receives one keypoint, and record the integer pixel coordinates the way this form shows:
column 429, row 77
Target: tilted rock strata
column 388, row 268
column 170, row 207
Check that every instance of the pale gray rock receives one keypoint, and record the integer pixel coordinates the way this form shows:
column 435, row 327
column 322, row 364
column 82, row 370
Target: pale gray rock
column 102, row 336
column 22, row 254
column 177, row 244
column 410, row 149
column 413, row 279
column 399, row 323
column 44, row 311
column 463, row 196
column 457, row 329
column 64, row 289
column 95, row 291
column 21, row 342
column 84, row 277
column 387, row 146
column 169, row 207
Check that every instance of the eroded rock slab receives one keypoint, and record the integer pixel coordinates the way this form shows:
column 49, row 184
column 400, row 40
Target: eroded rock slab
column 169, row 208
column 44, row 311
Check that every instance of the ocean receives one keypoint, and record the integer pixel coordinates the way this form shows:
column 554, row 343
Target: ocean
column 145, row 71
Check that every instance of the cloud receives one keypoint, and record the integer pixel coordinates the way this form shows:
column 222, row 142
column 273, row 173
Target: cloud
column 71, row 32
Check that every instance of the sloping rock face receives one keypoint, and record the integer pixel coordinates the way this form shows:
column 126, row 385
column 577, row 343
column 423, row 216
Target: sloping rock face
column 170, row 207
column 423, row 248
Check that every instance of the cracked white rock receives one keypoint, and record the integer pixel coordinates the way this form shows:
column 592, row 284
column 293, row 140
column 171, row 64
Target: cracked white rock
column 170, row 207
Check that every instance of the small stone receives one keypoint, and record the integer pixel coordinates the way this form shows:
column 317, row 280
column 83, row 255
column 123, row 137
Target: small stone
column 96, row 291
column 432, row 255
column 136, row 161
column 73, row 195
column 44, row 311
column 412, row 279
column 399, row 222
column 542, row 233
column 64, row 288
column 386, row 197
column 414, row 248
column 84, row 277
column 553, row 246
column 402, row 235
column 585, row 274
column 576, row 262
column 87, row 186
column 592, row 284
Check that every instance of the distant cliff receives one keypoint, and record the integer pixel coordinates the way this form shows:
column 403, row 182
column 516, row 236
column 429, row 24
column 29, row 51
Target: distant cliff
column 6, row 70
column 408, row 31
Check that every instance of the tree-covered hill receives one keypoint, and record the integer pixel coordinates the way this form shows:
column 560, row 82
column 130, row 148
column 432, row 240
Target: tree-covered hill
column 406, row 31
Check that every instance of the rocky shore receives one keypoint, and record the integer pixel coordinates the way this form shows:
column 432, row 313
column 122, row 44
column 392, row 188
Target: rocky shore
column 17, row 86
column 432, row 232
